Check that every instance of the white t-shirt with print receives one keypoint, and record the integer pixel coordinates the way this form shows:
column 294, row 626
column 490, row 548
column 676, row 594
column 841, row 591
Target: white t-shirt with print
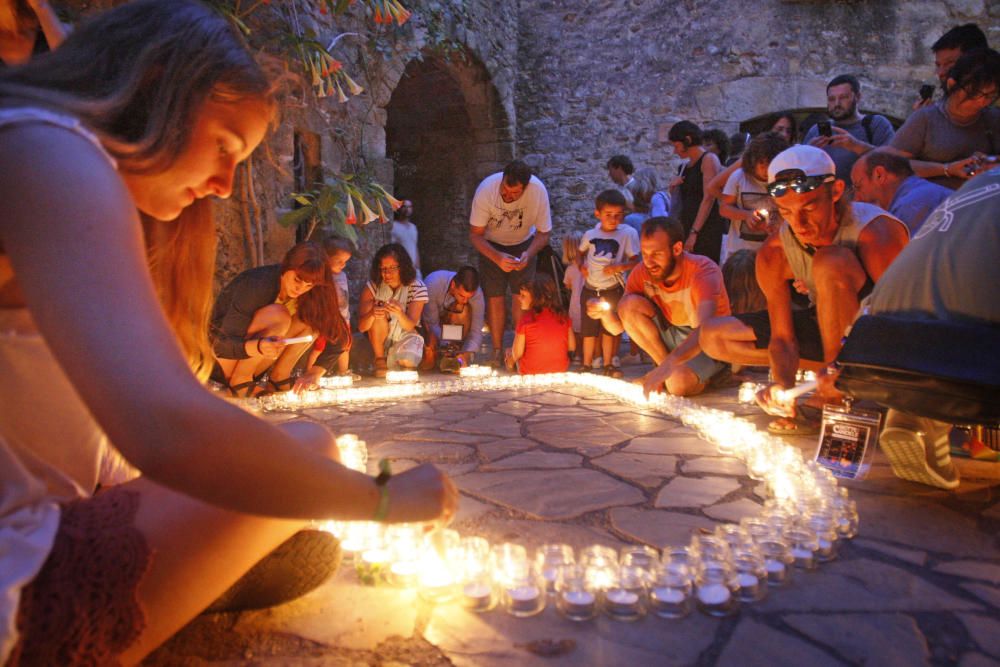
column 751, row 195
column 603, row 248
column 510, row 224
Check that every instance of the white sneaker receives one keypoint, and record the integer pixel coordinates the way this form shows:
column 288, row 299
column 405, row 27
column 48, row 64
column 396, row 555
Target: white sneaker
column 918, row 449
column 598, row 362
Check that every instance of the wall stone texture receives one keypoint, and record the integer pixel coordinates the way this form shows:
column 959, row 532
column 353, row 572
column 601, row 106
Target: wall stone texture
column 466, row 85
column 601, row 77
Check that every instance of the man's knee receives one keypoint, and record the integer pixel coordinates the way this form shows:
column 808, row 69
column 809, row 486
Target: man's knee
column 684, row 382
column 837, row 269
column 634, row 306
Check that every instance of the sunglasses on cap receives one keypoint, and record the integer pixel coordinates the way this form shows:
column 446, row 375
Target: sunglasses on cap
column 800, row 184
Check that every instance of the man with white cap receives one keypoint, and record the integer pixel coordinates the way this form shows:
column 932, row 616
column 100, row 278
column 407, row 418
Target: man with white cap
column 836, row 249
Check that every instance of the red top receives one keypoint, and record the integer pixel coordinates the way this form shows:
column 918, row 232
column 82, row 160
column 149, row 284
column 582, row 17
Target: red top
column 546, row 342
column 700, row 280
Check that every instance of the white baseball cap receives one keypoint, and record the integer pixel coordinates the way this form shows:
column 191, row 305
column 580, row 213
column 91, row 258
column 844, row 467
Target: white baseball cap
column 805, row 159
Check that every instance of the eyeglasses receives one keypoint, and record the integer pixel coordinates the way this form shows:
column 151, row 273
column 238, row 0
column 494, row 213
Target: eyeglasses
column 801, row 184
column 389, row 269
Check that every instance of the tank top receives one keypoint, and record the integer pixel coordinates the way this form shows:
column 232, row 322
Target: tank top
column 692, row 191
column 51, row 449
column 800, row 259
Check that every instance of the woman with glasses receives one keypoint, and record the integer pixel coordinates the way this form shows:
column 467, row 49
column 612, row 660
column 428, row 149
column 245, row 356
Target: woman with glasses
column 390, row 308
column 958, row 137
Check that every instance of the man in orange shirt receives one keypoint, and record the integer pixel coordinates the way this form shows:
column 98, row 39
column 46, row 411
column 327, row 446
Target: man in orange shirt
column 667, row 297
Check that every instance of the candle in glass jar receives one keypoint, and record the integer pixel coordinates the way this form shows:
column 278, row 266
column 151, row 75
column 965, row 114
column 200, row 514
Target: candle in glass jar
column 477, row 595
column 714, row 594
column 578, row 604
column 523, row 599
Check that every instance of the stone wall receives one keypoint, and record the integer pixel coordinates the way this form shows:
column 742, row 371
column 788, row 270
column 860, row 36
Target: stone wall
column 601, row 77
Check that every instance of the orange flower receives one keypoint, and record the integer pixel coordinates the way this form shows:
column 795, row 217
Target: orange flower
column 352, row 218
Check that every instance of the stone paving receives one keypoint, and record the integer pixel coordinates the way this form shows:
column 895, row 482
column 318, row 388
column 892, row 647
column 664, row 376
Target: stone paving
column 919, row 585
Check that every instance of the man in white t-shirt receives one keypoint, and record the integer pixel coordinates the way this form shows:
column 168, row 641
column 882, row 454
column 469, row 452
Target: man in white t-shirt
column 404, row 232
column 509, row 224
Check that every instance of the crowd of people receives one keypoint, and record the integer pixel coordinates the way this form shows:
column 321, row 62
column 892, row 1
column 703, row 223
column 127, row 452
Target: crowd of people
column 117, row 463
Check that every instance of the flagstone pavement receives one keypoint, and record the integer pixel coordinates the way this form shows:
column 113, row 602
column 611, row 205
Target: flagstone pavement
column 920, row 585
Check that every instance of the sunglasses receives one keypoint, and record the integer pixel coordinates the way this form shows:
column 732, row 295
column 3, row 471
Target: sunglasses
column 800, row 184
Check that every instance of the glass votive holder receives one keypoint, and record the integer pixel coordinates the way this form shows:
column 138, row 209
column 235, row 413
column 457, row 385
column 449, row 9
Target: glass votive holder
column 360, row 536
column 600, row 574
column 751, row 574
column 847, row 521
column 670, row 592
column 372, row 566
column 548, row 559
column 598, row 553
column 802, row 545
column 715, row 590
column 711, row 549
column 732, row 534
column 777, row 560
column 825, row 527
column 524, row 594
column 640, row 556
column 686, row 556
column 478, row 593
column 508, row 559
column 575, row 598
column 625, row 598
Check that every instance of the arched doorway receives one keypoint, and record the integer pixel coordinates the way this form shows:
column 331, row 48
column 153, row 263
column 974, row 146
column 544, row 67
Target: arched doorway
column 445, row 131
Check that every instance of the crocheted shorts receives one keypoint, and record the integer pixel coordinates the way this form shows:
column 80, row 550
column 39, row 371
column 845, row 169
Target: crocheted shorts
column 82, row 608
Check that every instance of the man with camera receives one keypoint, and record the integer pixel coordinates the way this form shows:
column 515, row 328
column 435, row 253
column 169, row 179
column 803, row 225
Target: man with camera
column 836, row 248
column 509, row 224
column 453, row 319
column 849, row 133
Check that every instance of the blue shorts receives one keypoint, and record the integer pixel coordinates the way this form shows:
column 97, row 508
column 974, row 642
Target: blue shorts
column 703, row 366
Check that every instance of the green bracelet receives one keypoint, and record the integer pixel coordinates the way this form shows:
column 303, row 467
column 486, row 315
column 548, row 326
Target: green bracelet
column 382, row 481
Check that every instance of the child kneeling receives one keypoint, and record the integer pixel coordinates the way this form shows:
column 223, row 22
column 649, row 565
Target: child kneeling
column 544, row 336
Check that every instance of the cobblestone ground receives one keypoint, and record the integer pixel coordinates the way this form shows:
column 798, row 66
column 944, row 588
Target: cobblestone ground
column 919, row 585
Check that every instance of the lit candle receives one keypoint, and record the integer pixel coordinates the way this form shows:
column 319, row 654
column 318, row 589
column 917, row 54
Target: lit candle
column 371, row 566
column 669, row 595
column 401, row 377
column 524, row 600
column 604, row 305
column 749, row 585
column 622, row 604
column 714, row 594
column 477, row 596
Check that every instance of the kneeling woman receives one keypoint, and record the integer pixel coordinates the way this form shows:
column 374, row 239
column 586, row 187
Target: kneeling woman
column 390, row 308
column 263, row 307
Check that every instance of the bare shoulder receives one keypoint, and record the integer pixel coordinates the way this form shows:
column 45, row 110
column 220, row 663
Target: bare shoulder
column 883, row 230
column 54, row 172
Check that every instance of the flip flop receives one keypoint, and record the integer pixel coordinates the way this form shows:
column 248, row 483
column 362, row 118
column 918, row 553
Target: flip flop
column 797, row 425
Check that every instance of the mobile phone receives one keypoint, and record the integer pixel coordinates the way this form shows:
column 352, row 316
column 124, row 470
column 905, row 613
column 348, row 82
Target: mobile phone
column 825, row 128
column 926, row 91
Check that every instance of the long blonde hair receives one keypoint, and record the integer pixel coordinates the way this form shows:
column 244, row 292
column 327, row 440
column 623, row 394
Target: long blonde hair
column 137, row 76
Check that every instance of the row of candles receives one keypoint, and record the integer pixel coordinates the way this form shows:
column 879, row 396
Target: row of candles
column 799, row 526
column 715, row 573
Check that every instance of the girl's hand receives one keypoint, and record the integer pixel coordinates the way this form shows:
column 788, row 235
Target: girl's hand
column 423, row 493
column 269, row 347
column 393, row 307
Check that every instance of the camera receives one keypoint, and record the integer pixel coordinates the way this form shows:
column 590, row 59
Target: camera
column 825, row 128
column 926, row 91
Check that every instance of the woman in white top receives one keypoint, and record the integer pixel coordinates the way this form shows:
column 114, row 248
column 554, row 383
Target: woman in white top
column 146, row 109
column 390, row 307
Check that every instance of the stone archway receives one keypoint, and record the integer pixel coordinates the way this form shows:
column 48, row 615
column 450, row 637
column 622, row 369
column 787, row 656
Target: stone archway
column 445, row 130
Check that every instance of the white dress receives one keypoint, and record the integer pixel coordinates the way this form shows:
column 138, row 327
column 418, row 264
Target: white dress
column 51, row 449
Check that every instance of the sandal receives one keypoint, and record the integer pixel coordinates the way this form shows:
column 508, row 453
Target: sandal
column 613, row 372
column 236, row 389
column 806, row 421
column 973, row 448
column 381, row 367
column 280, row 386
